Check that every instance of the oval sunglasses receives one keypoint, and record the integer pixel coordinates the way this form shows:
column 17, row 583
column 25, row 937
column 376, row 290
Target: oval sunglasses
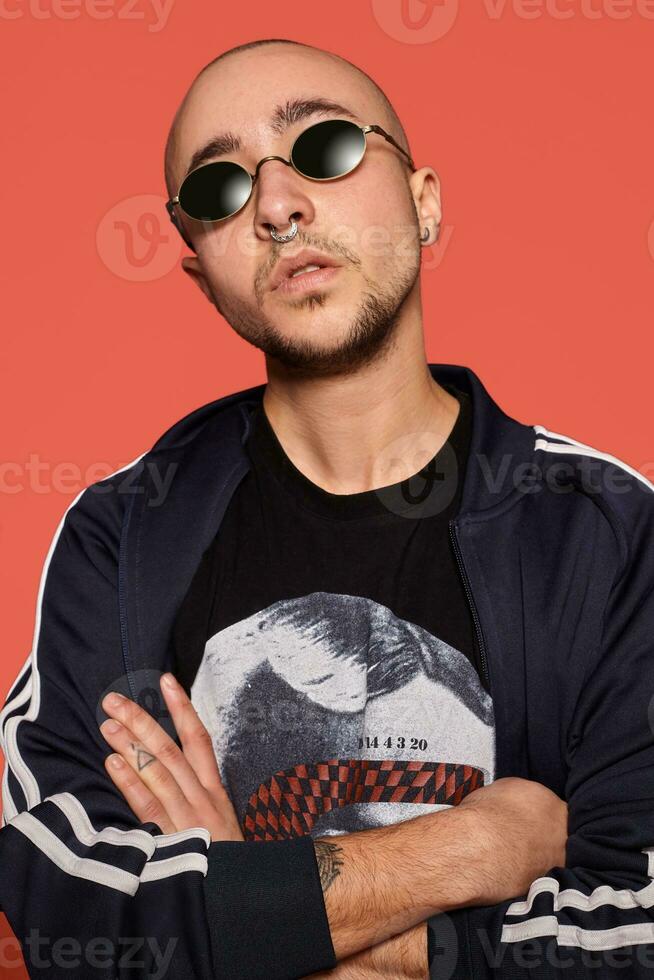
column 324, row 151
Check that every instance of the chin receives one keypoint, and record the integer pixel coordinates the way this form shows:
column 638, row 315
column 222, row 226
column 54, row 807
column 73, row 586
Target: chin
column 317, row 337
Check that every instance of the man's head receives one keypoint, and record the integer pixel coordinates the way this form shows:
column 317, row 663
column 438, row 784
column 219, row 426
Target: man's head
column 370, row 221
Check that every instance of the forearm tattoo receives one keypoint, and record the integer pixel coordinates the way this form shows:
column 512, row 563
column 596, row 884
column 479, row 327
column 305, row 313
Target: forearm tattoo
column 329, row 862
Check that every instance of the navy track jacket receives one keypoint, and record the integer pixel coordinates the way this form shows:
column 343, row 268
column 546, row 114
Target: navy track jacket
column 555, row 543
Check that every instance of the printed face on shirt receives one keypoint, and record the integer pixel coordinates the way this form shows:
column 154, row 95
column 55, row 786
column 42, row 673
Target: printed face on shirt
column 329, row 714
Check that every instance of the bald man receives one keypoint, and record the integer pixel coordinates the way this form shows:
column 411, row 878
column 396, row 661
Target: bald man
column 353, row 407
column 375, row 639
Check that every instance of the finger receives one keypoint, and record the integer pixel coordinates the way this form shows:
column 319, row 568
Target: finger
column 198, row 749
column 152, row 739
column 196, row 740
column 143, row 803
column 156, row 776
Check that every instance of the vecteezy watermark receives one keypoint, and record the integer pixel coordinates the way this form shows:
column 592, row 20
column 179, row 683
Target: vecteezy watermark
column 532, row 954
column 143, row 687
column 153, row 13
column 142, row 953
column 415, row 21
column 346, row 241
column 442, row 946
column 426, row 490
column 433, row 255
column 40, row 476
column 586, row 473
column 136, row 241
column 432, row 482
column 426, row 21
column 568, row 9
column 413, row 482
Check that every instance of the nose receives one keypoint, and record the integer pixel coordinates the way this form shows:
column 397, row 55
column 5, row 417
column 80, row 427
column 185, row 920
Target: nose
column 279, row 194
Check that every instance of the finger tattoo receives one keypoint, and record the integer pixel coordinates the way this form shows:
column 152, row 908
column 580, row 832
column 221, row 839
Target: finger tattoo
column 143, row 757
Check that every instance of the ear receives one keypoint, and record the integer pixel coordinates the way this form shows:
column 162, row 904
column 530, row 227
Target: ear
column 191, row 266
column 425, row 188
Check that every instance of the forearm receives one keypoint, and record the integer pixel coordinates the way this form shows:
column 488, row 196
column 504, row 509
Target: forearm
column 380, row 883
column 402, row 957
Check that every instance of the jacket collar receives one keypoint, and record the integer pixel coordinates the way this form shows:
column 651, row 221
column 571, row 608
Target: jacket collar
column 201, row 460
column 502, row 453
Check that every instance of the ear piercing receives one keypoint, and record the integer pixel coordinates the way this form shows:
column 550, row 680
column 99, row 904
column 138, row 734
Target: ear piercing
column 425, row 238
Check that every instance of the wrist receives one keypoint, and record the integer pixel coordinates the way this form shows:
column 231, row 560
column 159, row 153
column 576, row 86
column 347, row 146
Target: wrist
column 403, row 956
column 452, row 871
column 380, row 883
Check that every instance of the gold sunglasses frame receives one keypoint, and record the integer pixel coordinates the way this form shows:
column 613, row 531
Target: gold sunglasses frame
column 174, row 202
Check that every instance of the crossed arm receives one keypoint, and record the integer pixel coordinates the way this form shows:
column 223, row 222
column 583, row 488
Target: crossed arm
column 381, row 885
column 399, row 957
column 178, row 789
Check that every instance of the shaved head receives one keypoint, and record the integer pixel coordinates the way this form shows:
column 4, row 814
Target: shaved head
column 387, row 116
column 249, row 105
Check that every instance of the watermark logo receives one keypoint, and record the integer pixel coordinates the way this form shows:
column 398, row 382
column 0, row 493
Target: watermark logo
column 569, row 9
column 430, row 487
column 41, row 476
column 110, row 955
column 433, row 255
column 136, row 241
column 442, row 946
column 426, row 21
column 153, row 13
column 650, row 713
column 142, row 687
column 544, row 955
column 416, row 21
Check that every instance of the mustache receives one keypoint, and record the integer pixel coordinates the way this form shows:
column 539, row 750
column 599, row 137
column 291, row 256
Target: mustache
column 334, row 249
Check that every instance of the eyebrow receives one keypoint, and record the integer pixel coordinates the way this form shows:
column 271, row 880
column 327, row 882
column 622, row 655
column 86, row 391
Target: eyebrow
column 284, row 116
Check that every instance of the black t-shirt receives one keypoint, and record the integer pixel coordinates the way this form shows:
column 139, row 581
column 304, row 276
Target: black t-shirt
column 327, row 644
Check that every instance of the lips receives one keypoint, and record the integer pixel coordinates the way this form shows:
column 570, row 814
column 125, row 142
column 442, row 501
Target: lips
column 290, row 264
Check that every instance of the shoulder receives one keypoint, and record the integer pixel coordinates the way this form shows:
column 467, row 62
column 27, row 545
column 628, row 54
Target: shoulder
column 104, row 501
column 221, row 410
column 623, row 494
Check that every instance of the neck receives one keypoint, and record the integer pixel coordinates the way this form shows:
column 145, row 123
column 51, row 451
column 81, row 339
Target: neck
column 365, row 430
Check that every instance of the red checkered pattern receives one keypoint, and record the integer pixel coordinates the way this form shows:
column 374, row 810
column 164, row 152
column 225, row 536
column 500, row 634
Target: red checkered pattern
column 288, row 804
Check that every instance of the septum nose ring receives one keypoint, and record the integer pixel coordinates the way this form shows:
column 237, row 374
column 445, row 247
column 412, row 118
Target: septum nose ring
column 284, row 238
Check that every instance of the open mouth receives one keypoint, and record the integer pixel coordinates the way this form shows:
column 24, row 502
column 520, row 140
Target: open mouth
column 304, row 269
column 309, row 276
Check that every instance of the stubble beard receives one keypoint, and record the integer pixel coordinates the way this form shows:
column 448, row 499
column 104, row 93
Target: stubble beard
column 369, row 335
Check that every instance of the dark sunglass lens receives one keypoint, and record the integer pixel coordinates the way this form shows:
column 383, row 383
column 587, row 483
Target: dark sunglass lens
column 215, row 191
column 328, row 149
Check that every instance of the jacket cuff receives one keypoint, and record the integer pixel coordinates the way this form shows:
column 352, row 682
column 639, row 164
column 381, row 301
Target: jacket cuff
column 448, row 946
column 266, row 910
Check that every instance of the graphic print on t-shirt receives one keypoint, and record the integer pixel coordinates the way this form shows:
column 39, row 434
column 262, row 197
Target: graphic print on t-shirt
column 329, row 714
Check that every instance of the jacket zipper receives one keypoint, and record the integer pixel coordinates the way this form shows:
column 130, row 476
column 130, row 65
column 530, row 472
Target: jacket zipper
column 471, row 601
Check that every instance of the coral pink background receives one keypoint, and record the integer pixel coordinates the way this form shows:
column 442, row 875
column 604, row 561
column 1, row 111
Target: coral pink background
column 538, row 125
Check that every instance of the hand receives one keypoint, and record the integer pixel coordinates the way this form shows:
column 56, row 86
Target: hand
column 175, row 789
column 521, row 828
